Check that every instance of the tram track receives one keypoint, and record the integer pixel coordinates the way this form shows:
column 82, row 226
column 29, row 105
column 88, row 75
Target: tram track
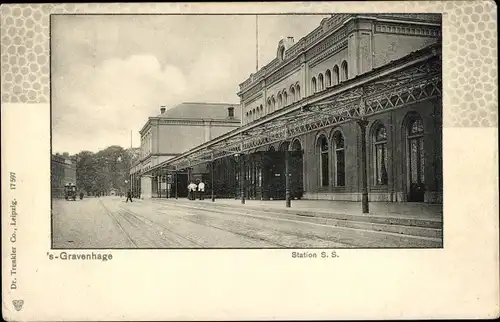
column 246, row 227
column 183, row 218
column 125, row 212
column 110, row 214
column 426, row 241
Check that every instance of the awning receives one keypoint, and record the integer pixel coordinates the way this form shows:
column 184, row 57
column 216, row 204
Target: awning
column 411, row 79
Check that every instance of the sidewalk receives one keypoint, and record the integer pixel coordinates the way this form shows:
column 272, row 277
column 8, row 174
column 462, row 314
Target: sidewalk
column 418, row 211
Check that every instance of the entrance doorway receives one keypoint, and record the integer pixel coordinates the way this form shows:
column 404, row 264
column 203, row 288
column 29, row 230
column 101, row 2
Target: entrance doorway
column 415, row 160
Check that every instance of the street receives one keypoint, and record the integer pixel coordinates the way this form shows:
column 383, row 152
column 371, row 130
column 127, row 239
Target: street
column 110, row 222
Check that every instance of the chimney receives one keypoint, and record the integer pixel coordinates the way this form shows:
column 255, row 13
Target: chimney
column 162, row 109
column 230, row 112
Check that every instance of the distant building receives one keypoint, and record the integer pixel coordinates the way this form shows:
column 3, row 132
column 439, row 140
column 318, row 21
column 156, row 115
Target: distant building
column 174, row 131
column 63, row 171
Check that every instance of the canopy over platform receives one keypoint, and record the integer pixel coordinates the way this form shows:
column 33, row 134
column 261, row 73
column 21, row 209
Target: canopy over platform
column 411, row 79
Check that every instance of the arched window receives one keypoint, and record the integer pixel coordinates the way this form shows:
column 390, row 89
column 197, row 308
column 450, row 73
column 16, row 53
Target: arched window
column 282, row 53
column 297, row 92
column 269, row 105
column 261, row 110
column 322, row 148
column 328, row 78
column 321, row 83
column 336, row 79
column 273, row 104
column 280, row 100
column 248, row 120
column 416, row 150
column 250, row 116
column 254, row 115
column 345, row 74
column 339, row 154
column 313, row 85
column 292, row 94
column 380, row 154
column 285, row 98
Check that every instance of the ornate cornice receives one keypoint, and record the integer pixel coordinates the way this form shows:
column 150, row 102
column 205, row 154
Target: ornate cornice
column 283, row 72
column 328, row 53
column 198, row 122
column 253, row 99
column 327, row 26
column 255, row 89
column 409, row 30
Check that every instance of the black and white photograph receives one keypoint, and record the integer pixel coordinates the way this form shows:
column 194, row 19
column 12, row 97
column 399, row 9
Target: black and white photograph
column 187, row 161
column 246, row 131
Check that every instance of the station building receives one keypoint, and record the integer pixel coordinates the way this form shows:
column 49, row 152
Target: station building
column 172, row 132
column 355, row 106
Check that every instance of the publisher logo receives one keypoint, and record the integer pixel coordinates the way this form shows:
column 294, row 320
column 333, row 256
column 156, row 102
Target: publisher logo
column 18, row 304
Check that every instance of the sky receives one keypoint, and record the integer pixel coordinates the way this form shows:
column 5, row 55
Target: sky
column 111, row 72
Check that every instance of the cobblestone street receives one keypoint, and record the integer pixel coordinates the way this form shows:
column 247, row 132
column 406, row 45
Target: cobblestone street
column 110, row 222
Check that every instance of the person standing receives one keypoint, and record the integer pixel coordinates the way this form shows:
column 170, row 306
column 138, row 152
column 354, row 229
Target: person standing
column 129, row 196
column 201, row 189
column 190, row 190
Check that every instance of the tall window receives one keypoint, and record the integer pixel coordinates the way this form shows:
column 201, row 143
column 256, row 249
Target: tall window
column 285, row 98
column 321, row 85
column 416, row 146
column 253, row 114
column 297, row 92
column 336, row 74
column 323, row 161
column 380, row 154
column 273, row 104
column 345, row 73
column 328, row 78
column 280, row 100
column 269, row 106
column 292, row 94
column 313, row 85
column 338, row 148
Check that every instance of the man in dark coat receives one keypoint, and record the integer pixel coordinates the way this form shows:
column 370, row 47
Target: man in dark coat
column 129, row 196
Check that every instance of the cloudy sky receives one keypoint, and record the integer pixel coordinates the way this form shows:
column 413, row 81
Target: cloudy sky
column 111, row 72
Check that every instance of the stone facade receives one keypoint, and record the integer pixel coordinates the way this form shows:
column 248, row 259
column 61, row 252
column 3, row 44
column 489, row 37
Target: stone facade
column 173, row 132
column 342, row 48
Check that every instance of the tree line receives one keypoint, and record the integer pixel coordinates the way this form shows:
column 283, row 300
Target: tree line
column 106, row 169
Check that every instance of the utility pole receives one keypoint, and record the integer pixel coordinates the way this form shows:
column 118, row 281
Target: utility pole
column 288, row 200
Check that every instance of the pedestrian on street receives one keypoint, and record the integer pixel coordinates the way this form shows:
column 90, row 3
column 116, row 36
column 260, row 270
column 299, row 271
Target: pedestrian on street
column 129, row 196
column 201, row 189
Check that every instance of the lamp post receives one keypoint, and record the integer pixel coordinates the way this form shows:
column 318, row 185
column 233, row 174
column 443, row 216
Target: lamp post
column 288, row 201
column 364, row 177
column 242, row 176
column 176, row 192
column 212, row 183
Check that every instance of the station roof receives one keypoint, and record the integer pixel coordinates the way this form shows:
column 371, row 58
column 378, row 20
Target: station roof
column 190, row 110
column 412, row 78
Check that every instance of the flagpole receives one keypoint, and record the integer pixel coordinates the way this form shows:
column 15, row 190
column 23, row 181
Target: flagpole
column 256, row 42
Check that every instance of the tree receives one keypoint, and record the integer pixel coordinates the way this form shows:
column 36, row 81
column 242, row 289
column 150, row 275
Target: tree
column 103, row 170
